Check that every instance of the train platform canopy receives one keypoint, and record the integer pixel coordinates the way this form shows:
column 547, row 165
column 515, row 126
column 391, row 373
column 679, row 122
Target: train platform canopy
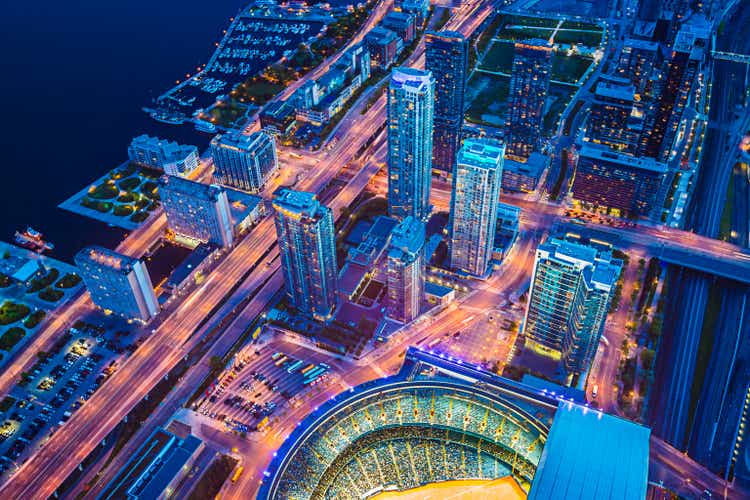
column 592, row 455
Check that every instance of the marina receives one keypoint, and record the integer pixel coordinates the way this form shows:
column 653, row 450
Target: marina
column 256, row 38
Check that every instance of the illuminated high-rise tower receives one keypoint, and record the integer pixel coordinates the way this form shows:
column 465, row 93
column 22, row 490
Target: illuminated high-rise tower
column 473, row 217
column 410, row 108
column 447, row 56
column 529, row 82
column 304, row 228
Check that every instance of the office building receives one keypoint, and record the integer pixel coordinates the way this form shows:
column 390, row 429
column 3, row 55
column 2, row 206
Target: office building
column 305, row 232
column 117, row 283
column 405, row 270
column 474, row 198
column 529, row 82
column 172, row 158
column 196, row 212
column 447, row 58
column 410, row 119
column 571, row 289
column 626, row 185
column 244, row 162
column 613, row 120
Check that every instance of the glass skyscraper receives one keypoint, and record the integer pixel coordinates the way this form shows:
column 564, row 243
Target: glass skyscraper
column 447, row 58
column 571, row 289
column 405, row 270
column 529, row 82
column 410, row 119
column 305, row 232
column 244, row 162
column 118, row 283
column 473, row 217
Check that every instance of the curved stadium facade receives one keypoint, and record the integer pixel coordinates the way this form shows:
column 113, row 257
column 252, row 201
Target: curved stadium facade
column 436, row 422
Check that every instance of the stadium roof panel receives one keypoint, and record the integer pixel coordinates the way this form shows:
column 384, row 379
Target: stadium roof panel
column 592, row 455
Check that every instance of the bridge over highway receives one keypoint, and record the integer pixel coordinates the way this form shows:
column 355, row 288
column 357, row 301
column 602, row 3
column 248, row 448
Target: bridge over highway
column 674, row 246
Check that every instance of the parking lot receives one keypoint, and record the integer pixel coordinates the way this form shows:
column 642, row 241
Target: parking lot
column 260, row 381
column 54, row 388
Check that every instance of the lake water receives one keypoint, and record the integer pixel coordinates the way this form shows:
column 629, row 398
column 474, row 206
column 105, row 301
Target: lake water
column 74, row 77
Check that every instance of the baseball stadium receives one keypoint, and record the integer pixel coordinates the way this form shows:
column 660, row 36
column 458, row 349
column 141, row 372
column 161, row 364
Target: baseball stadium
column 441, row 428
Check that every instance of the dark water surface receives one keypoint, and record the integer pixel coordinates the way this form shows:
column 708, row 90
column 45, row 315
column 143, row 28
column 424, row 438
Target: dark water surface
column 74, row 76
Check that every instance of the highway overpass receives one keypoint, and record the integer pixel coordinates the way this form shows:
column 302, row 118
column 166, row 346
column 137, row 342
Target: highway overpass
column 674, row 246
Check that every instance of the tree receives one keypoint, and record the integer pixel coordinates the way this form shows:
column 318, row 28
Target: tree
column 647, row 358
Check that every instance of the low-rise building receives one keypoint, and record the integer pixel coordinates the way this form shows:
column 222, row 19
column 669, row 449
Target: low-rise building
column 523, row 176
column 160, row 154
column 438, row 295
column 363, row 259
column 156, row 468
column 278, row 118
column 384, row 46
column 246, row 209
column 506, row 231
column 401, row 23
column 420, row 9
column 317, row 101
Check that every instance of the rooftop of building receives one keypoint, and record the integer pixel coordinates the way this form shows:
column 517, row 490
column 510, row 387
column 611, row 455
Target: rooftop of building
column 277, row 108
column 436, row 289
column 187, row 187
column 603, row 153
column 168, row 147
column 411, row 78
column 601, row 269
column 299, row 202
column 106, row 257
column 239, row 141
column 616, row 89
column 398, row 17
column 638, row 43
column 153, row 467
column 242, row 204
column 592, row 455
column 373, row 241
column 481, row 153
column 532, row 167
column 381, row 35
column 447, row 35
column 189, row 265
column 408, row 236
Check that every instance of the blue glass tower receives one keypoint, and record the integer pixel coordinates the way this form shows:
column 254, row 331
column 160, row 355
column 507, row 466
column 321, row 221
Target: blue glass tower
column 447, row 57
column 304, row 228
column 410, row 114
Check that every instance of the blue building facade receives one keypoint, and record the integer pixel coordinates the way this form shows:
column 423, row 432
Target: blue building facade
column 305, row 232
column 244, row 162
column 473, row 217
column 410, row 121
column 447, row 57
